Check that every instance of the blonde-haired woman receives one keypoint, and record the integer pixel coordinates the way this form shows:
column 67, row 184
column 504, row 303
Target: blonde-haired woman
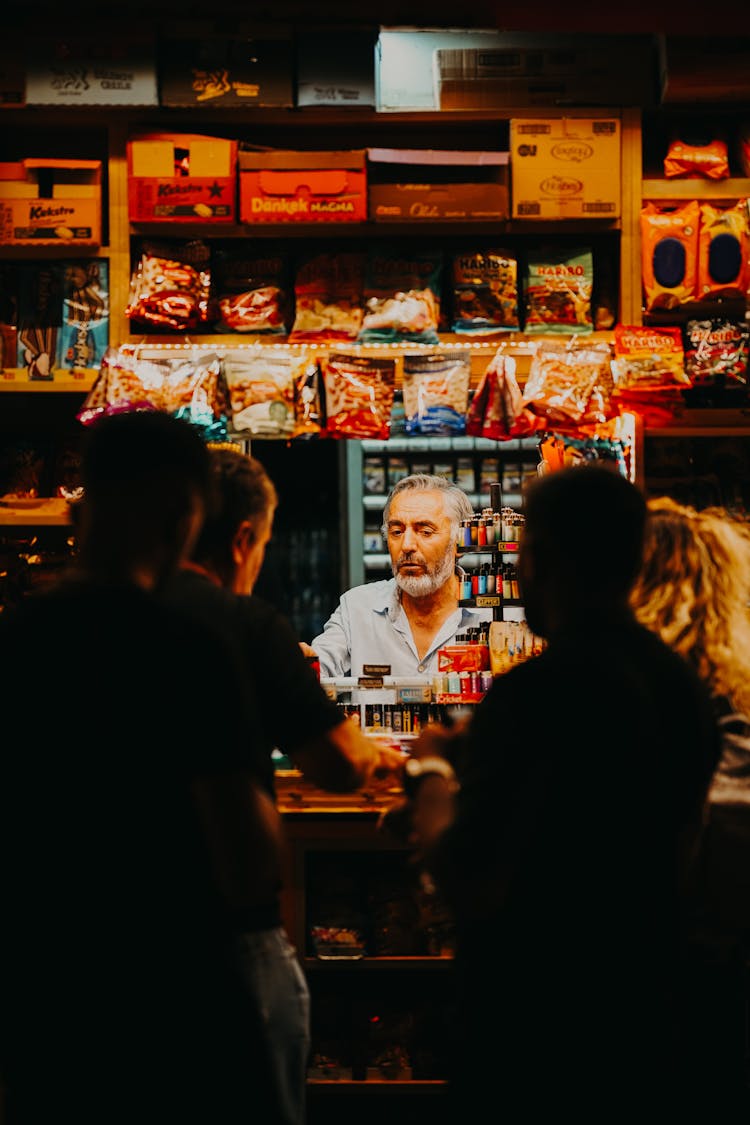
column 694, row 591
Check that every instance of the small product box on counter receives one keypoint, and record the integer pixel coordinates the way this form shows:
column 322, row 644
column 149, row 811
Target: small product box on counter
column 431, row 184
column 199, row 67
column 182, row 177
column 51, row 202
column 463, row 658
column 281, row 186
column 565, row 168
column 92, row 67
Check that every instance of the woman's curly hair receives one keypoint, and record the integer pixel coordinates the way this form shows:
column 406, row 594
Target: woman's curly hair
column 694, row 591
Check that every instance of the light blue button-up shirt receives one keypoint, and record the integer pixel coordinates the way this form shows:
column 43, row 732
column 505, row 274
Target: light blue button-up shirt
column 369, row 626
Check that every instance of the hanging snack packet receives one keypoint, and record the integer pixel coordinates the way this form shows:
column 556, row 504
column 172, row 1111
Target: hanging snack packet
column 189, row 386
column 724, row 251
column 496, row 410
column 328, row 298
column 436, row 392
column 126, row 382
column 171, row 288
column 557, row 292
column 252, row 294
column 561, row 380
column 309, row 400
column 402, row 297
column 485, row 292
column 194, row 390
column 359, row 396
column 669, row 254
column 716, row 352
column 261, row 381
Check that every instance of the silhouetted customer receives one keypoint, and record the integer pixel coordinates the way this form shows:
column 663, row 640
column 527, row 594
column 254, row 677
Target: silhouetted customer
column 694, row 591
column 582, row 778
column 291, row 713
column 132, row 834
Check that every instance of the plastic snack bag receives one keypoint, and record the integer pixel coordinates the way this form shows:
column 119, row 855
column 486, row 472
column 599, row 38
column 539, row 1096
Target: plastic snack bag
column 402, row 297
column 261, row 384
column 485, row 293
column 669, row 254
column 557, row 292
column 171, row 288
column 436, row 392
column 328, row 298
column 359, row 396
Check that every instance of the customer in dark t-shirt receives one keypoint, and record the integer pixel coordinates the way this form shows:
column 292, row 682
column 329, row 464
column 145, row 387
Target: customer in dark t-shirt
column 582, row 778
column 290, row 711
column 125, row 814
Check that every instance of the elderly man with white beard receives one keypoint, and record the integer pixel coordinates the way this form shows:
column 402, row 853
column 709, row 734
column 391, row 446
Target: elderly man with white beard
column 401, row 622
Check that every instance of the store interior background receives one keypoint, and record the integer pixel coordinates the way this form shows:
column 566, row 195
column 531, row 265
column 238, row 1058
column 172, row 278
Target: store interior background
column 306, row 565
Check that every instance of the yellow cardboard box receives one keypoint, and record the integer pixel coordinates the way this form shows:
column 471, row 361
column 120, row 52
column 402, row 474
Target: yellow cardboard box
column 51, row 202
column 565, row 168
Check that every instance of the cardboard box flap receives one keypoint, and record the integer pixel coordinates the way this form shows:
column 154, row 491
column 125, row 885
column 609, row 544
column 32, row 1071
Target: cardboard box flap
column 160, row 155
column 282, row 159
column 427, row 156
column 330, row 181
column 66, row 165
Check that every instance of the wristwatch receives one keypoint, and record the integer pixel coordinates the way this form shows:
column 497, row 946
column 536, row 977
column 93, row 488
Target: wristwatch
column 416, row 769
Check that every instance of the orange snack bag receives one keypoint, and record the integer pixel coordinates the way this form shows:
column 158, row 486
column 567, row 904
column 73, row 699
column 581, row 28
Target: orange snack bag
column 669, row 254
column 724, row 251
column 699, row 161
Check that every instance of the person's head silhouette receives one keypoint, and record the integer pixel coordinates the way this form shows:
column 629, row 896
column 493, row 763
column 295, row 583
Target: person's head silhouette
column 581, row 546
column 146, row 485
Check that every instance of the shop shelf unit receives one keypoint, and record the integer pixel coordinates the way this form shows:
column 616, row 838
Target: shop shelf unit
column 368, row 1003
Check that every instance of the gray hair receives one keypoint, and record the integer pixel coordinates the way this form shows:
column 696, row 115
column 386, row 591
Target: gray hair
column 457, row 503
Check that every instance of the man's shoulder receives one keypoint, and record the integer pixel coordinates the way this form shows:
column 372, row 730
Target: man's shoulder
column 371, row 595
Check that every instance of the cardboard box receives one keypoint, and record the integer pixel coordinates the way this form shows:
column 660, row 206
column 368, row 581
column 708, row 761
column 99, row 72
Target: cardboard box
column 303, row 187
column 430, row 185
column 182, row 178
column 56, row 213
column 86, row 67
column 226, row 70
column 404, row 63
column 463, row 658
column 565, row 168
column 549, row 70
column 336, row 68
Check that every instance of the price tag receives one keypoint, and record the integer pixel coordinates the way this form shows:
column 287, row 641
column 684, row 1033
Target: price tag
column 486, row 601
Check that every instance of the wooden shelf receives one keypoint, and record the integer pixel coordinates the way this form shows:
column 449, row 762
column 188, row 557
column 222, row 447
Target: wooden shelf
column 50, row 512
column 384, row 1085
column 467, row 229
column 679, row 190
column 14, row 379
column 377, row 964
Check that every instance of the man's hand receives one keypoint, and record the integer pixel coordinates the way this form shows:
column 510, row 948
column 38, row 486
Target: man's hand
column 307, row 650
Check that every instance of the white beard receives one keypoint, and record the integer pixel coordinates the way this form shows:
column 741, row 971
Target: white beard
column 419, row 586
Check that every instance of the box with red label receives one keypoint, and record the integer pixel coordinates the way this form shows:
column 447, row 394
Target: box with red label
column 51, row 202
column 463, row 658
column 182, row 178
column 303, row 187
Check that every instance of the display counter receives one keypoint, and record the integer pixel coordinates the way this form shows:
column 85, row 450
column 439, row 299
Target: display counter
column 376, row 948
